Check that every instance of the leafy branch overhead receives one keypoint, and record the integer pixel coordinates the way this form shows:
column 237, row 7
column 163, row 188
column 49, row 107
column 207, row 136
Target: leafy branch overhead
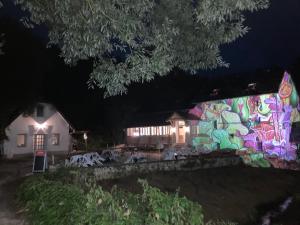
column 135, row 40
column 1, row 41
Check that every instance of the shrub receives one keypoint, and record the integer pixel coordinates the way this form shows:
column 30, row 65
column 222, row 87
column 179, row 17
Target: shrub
column 162, row 208
column 50, row 201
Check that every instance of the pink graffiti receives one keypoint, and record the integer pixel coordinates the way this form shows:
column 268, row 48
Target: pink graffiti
column 265, row 131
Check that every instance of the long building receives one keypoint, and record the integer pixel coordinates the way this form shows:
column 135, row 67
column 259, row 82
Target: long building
column 259, row 122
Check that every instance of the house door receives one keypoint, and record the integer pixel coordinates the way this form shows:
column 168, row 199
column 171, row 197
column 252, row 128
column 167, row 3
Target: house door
column 39, row 142
column 180, row 137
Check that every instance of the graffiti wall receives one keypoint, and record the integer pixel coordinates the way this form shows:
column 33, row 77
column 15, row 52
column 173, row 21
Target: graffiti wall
column 260, row 123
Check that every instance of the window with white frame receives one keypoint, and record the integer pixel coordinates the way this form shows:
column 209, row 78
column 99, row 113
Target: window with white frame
column 149, row 131
column 153, row 131
column 39, row 142
column 133, row 132
column 129, row 132
column 195, row 129
column 55, row 139
column 21, row 140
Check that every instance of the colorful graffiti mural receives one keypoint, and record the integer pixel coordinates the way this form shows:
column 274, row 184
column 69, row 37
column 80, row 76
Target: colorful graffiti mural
column 261, row 123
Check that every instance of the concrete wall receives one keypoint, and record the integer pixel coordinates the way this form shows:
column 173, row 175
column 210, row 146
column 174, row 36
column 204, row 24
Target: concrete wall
column 54, row 123
column 117, row 171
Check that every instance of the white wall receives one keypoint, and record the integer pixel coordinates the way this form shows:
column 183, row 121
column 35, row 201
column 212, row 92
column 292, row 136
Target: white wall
column 54, row 123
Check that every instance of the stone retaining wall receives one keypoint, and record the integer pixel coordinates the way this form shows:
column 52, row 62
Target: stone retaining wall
column 117, row 171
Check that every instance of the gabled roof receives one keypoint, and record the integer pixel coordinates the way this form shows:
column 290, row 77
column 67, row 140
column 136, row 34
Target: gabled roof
column 159, row 118
column 149, row 119
column 29, row 111
column 264, row 82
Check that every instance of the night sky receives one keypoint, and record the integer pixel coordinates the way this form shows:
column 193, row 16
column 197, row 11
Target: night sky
column 30, row 72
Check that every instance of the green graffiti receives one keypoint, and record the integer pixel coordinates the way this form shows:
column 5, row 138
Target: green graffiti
column 238, row 142
column 295, row 116
column 204, row 142
column 240, row 106
column 250, row 122
column 294, row 98
column 203, row 139
column 255, row 160
column 233, row 123
column 207, row 127
column 222, row 137
column 263, row 108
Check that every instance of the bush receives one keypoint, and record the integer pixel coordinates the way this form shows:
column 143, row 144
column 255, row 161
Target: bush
column 53, row 202
column 162, row 208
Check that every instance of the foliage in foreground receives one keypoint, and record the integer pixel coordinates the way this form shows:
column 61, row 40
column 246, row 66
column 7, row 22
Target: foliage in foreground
column 52, row 202
column 49, row 201
column 135, row 40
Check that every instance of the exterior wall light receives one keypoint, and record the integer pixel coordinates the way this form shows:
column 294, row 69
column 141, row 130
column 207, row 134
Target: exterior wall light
column 173, row 130
column 187, row 129
column 41, row 126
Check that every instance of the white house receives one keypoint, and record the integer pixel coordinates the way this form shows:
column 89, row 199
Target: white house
column 45, row 129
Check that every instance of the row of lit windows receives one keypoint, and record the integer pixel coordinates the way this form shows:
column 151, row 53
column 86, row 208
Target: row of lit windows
column 149, row 131
column 38, row 139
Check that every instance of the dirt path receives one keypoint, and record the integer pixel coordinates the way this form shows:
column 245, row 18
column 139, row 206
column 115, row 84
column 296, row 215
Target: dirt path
column 11, row 173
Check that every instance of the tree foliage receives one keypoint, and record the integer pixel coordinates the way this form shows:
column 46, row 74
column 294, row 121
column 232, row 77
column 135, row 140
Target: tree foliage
column 1, row 41
column 135, row 40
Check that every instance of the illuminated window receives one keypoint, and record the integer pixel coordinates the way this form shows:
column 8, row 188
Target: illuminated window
column 133, row 132
column 181, row 123
column 153, row 131
column 136, row 131
column 195, row 130
column 55, row 139
column 145, row 131
column 129, row 132
column 142, row 131
column 149, row 131
column 21, row 140
column 39, row 142
column 159, row 132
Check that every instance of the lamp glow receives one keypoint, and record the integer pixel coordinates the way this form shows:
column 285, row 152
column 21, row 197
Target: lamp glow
column 173, row 130
column 41, row 126
column 187, row 129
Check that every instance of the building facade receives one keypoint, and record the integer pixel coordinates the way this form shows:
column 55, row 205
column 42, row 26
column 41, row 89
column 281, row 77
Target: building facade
column 173, row 129
column 261, row 123
column 44, row 129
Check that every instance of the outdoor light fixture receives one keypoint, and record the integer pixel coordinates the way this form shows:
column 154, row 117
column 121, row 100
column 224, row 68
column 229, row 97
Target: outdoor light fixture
column 187, row 129
column 85, row 137
column 41, row 126
column 173, row 130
